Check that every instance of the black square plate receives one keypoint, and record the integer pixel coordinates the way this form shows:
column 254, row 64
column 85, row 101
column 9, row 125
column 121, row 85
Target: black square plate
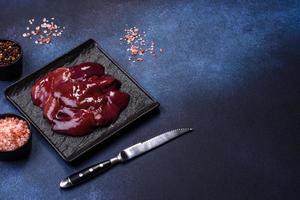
column 71, row 148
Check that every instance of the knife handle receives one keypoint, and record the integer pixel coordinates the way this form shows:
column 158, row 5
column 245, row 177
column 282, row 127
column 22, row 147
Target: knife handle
column 90, row 172
column 86, row 174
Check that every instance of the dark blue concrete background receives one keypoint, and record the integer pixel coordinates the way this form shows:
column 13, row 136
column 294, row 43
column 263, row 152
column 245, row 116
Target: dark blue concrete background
column 230, row 70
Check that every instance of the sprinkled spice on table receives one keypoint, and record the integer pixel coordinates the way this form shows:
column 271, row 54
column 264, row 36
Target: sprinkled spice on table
column 9, row 52
column 44, row 31
column 14, row 133
column 137, row 44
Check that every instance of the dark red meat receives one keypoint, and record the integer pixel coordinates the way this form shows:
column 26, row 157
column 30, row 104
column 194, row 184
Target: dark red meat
column 78, row 99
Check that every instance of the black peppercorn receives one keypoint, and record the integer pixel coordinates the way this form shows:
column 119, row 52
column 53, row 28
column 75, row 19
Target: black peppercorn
column 9, row 52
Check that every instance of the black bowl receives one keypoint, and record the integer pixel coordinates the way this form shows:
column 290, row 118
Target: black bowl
column 13, row 70
column 22, row 151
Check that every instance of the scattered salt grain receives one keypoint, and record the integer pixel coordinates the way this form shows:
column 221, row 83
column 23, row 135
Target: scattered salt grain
column 43, row 32
column 137, row 45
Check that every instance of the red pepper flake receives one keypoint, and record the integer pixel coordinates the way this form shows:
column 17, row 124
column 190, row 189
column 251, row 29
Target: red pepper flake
column 14, row 133
column 137, row 44
column 43, row 32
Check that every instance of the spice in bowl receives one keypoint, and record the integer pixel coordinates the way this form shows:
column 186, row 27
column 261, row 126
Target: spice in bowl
column 15, row 136
column 10, row 60
column 14, row 133
column 9, row 52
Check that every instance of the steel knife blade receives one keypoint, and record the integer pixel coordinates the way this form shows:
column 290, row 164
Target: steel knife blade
column 152, row 143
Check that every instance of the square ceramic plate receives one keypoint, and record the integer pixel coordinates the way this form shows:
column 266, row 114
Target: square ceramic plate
column 71, row 148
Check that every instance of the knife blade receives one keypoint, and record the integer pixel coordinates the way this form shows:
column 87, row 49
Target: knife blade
column 125, row 155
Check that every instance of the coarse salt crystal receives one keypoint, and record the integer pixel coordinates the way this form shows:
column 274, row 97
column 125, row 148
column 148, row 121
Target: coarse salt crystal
column 14, row 133
column 44, row 30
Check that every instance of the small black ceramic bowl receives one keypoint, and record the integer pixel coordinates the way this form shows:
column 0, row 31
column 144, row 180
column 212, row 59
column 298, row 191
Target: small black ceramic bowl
column 13, row 70
column 22, row 151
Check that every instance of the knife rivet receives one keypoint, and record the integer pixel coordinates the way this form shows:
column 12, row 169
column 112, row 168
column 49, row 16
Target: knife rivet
column 101, row 165
column 91, row 169
column 80, row 175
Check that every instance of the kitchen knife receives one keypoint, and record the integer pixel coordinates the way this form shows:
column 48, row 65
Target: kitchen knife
column 124, row 155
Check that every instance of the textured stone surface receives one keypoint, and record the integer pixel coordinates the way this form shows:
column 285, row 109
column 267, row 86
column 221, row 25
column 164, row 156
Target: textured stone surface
column 230, row 71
